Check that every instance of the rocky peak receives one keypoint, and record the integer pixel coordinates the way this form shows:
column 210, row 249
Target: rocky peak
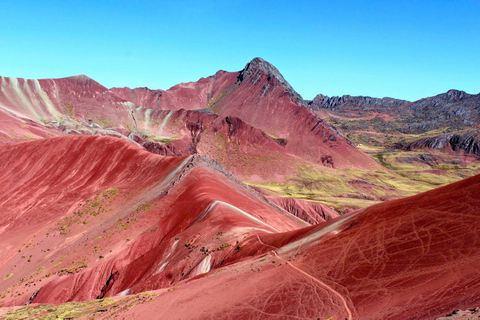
column 258, row 64
column 254, row 70
column 453, row 95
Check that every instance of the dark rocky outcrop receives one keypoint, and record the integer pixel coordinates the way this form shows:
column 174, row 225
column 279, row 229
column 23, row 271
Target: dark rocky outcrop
column 346, row 101
column 454, row 109
column 253, row 72
column 468, row 142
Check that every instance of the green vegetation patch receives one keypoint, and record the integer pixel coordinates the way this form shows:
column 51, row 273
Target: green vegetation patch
column 104, row 123
column 106, row 308
column 91, row 208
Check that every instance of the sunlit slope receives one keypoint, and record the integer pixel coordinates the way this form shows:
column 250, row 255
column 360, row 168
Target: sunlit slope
column 90, row 217
column 411, row 258
column 207, row 247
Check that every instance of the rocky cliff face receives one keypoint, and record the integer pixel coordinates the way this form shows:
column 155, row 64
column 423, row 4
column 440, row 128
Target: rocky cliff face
column 346, row 103
column 254, row 70
column 454, row 109
column 468, row 142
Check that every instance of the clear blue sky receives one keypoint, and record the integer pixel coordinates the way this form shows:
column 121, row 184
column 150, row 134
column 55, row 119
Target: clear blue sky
column 403, row 49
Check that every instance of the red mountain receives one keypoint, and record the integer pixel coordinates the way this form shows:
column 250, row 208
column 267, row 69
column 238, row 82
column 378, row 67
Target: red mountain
column 92, row 217
column 79, row 97
column 151, row 226
column 414, row 258
column 260, row 96
column 252, row 122
column 87, row 217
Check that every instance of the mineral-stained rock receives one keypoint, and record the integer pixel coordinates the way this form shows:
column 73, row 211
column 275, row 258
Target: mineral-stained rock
column 467, row 142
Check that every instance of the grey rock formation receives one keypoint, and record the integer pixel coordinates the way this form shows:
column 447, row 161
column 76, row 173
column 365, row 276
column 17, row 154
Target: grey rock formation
column 453, row 109
column 254, row 70
column 469, row 142
column 366, row 103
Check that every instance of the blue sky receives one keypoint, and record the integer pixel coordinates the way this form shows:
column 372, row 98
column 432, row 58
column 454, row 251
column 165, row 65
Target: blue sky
column 402, row 49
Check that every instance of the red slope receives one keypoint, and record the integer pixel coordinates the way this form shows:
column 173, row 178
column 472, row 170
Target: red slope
column 260, row 96
column 189, row 96
column 66, row 164
column 87, row 217
column 71, row 98
column 414, row 258
column 312, row 212
column 16, row 129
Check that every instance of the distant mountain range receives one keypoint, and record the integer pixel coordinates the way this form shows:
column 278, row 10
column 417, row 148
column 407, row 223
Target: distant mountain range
column 454, row 109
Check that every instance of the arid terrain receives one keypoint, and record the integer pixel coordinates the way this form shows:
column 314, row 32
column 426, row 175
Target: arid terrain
column 232, row 197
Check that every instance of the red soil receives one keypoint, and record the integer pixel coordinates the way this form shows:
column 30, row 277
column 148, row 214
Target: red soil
column 87, row 217
column 78, row 99
column 156, row 222
column 15, row 129
column 312, row 212
column 414, row 258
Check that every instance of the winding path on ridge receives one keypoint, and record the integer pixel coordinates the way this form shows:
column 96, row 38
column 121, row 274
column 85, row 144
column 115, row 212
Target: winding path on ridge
column 323, row 284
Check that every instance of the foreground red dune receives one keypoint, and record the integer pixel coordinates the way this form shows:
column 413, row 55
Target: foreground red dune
column 415, row 258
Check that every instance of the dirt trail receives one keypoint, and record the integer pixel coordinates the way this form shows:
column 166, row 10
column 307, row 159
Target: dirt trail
column 323, row 284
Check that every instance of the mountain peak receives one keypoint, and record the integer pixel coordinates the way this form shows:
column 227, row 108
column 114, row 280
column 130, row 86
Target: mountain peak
column 79, row 77
column 81, row 80
column 258, row 66
column 453, row 94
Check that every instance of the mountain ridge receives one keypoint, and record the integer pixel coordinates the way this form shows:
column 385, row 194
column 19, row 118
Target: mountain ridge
column 231, row 198
column 225, row 116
